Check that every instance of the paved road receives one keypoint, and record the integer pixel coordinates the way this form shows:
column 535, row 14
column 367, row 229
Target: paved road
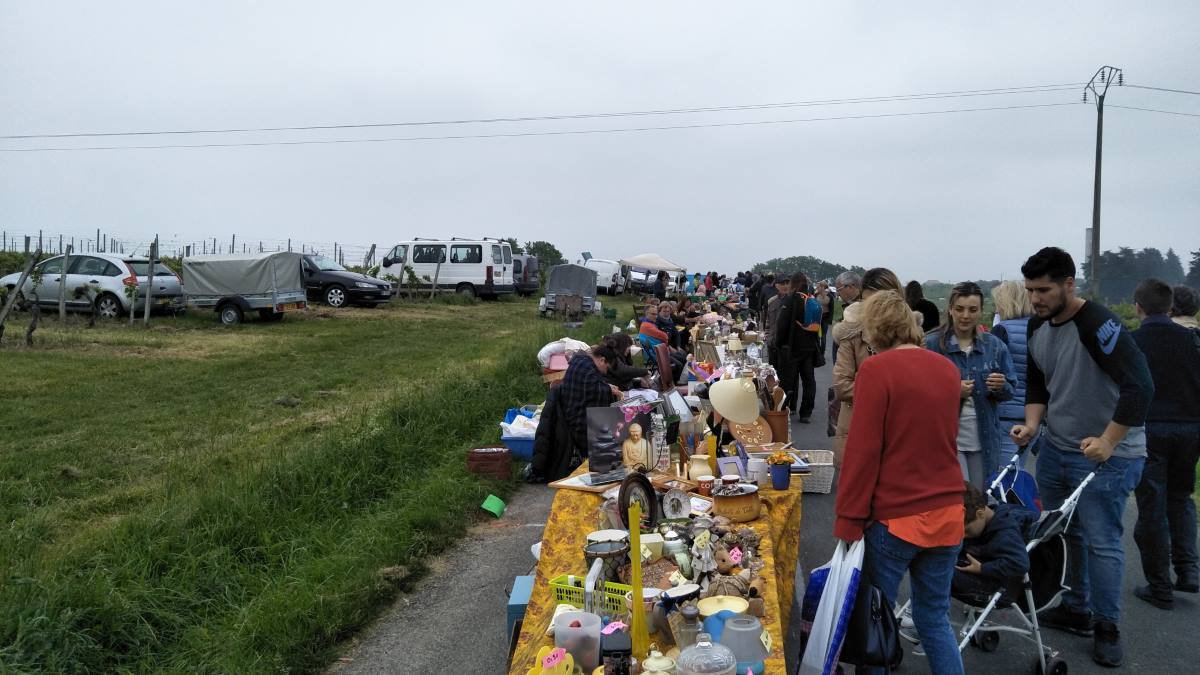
column 457, row 615
column 1155, row 640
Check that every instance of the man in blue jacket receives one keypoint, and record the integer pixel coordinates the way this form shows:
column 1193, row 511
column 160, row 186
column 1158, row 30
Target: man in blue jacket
column 1089, row 380
column 1166, row 524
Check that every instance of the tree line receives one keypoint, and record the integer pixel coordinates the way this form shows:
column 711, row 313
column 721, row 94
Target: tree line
column 1122, row 270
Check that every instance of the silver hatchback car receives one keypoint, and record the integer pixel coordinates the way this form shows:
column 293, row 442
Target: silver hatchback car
column 111, row 274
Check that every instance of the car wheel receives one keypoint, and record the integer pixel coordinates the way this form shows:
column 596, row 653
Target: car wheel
column 108, row 306
column 230, row 314
column 270, row 315
column 465, row 290
column 335, row 296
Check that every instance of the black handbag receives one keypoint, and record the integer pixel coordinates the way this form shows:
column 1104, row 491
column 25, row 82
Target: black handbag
column 873, row 634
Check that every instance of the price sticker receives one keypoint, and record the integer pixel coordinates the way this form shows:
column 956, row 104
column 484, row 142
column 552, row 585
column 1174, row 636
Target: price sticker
column 766, row 640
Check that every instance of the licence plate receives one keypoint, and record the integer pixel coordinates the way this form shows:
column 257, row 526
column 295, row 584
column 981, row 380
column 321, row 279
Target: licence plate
column 289, row 306
column 164, row 301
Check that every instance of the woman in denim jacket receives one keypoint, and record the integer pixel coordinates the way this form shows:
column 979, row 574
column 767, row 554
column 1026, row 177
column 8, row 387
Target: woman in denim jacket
column 988, row 377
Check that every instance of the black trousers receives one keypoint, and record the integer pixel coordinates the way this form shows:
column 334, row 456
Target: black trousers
column 799, row 380
column 1166, row 525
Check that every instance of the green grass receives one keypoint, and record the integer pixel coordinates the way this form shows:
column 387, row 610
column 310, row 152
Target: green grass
column 162, row 512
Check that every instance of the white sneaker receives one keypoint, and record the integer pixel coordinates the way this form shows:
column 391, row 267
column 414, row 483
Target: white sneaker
column 906, row 620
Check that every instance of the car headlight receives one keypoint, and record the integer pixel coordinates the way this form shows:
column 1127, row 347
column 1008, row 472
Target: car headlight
column 364, row 284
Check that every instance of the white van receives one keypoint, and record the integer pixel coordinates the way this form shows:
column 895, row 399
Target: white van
column 610, row 275
column 467, row 266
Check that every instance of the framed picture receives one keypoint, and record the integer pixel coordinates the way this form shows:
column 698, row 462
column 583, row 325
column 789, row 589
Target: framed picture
column 730, row 466
column 664, row 482
column 619, row 436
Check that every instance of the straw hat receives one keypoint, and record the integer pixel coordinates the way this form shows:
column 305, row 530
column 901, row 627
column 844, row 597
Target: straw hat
column 735, row 399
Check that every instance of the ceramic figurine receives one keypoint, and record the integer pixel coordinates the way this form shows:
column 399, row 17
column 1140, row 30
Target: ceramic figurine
column 703, row 563
column 636, row 449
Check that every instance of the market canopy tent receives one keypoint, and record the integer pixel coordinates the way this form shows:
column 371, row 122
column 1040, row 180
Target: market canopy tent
column 652, row 261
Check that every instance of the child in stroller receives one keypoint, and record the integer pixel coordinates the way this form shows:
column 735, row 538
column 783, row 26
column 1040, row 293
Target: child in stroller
column 993, row 556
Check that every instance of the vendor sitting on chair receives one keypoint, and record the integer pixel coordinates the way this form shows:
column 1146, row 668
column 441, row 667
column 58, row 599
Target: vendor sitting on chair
column 650, row 335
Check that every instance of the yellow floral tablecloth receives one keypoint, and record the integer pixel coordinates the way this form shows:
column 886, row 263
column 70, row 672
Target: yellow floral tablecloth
column 575, row 514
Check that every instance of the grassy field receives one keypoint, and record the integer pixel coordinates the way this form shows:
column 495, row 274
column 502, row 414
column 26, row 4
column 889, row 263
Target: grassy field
column 200, row 499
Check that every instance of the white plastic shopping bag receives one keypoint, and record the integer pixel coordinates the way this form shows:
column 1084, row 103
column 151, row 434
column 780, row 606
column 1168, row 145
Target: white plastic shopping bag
column 834, row 606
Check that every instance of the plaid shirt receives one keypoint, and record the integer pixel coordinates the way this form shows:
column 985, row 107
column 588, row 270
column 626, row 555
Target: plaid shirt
column 582, row 387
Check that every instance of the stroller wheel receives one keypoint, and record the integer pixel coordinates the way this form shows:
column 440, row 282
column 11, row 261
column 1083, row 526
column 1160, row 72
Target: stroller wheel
column 987, row 641
column 1054, row 666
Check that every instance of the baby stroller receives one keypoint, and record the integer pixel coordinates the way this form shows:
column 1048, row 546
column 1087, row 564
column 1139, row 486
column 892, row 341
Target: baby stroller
column 1014, row 485
column 1040, row 589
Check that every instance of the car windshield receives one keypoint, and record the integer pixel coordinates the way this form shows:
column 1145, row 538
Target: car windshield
column 325, row 264
column 139, row 268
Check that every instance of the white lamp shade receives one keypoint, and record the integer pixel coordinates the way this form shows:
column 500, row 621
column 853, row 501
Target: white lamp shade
column 735, row 399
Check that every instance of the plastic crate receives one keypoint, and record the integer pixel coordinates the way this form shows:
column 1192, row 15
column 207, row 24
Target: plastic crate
column 568, row 589
column 521, row 448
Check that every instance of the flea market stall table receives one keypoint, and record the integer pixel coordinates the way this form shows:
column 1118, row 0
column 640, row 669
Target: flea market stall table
column 575, row 513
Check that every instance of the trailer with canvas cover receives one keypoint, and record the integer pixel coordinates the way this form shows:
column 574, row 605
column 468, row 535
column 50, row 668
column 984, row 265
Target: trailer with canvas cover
column 231, row 285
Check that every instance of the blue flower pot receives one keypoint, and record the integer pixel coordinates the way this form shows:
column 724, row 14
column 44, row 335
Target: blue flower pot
column 781, row 476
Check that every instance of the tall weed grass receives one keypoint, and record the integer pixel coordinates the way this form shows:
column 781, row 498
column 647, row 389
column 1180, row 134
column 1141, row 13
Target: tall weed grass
column 268, row 566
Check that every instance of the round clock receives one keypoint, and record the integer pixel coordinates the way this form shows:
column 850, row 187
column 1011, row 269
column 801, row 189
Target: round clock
column 676, row 505
column 636, row 488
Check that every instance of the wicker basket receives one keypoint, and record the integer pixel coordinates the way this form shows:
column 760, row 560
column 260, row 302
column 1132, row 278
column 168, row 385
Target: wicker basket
column 821, row 463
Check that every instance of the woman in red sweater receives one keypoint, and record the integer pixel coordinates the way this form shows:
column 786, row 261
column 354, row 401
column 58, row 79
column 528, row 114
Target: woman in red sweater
column 901, row 487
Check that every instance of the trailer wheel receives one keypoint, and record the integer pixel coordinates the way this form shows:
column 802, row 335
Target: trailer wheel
column 230, row 314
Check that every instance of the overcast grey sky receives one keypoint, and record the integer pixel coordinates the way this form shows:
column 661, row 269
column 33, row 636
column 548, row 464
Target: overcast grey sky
column 936, row 196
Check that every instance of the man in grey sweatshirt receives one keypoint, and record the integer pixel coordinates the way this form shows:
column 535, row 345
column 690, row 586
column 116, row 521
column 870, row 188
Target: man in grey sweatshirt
column 1089, row 381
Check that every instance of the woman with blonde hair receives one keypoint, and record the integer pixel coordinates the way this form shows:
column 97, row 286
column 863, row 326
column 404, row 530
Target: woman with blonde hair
column 853, row 349
column 901, row 488
column 1013, row 311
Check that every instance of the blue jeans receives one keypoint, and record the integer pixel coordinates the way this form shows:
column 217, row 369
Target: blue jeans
column 930, row 571
column 1166, row 524
column 1096, row 559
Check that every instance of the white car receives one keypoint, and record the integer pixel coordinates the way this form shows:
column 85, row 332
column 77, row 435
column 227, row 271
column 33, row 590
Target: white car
column 109, row 274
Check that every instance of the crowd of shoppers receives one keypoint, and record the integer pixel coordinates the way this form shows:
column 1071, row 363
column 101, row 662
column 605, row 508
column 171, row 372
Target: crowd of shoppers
column 1057, row 375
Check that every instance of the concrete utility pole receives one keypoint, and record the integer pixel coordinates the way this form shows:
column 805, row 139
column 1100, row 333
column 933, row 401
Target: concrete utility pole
column 1098, row 85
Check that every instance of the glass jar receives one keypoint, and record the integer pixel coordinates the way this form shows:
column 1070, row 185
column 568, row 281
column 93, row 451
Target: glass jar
column 706, row 658
column 690, row 628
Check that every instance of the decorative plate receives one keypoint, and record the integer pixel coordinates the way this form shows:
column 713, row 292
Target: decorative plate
column 755, row 433
column 676, row 504
column 637, row 488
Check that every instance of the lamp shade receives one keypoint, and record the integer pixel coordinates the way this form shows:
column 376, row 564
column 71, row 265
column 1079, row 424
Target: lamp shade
column 735, row 399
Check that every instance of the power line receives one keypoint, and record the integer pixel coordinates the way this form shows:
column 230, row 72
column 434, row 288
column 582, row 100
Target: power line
column 1173, row 91
column 541, row 133
column 1154, row 110
column 965, row 93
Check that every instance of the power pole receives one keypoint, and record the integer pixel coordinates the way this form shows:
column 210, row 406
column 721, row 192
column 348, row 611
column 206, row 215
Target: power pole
column 1098, row 85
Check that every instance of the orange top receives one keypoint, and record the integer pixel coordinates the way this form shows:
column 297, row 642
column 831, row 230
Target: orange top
column 936, row 527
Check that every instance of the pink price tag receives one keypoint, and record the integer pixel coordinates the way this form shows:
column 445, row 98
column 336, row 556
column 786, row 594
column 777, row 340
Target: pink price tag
column 613, row 627
column 735, row 555
column 554, row 658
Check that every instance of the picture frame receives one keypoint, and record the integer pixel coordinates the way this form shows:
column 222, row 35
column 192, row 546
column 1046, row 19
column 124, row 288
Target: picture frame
column 728, row 466
column 664, row 482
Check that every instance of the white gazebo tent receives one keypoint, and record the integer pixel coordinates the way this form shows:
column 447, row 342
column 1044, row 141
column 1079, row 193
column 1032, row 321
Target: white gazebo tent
column 652, row 261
